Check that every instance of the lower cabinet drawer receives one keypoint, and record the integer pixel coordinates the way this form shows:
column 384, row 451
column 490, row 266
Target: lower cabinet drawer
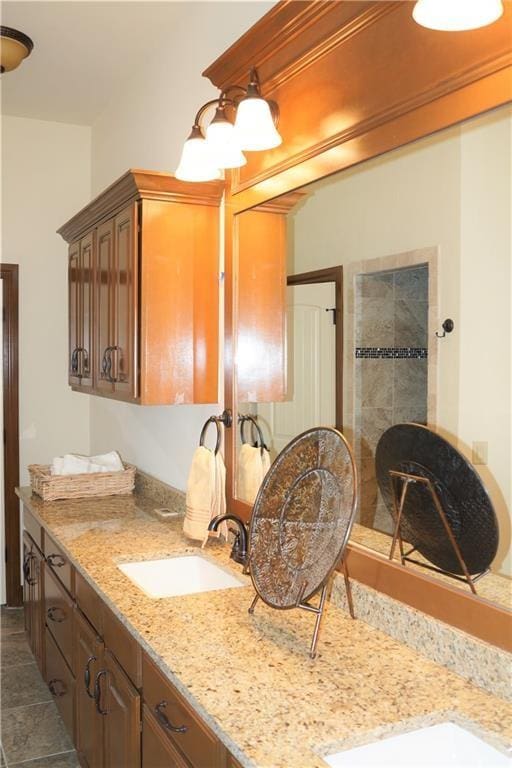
column 61, row 683
column 59, row 563
column 157, row 749
column 58, row 610
column 194, row 740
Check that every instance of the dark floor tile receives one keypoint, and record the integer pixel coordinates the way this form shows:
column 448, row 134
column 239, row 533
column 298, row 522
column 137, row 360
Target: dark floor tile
column 33, row 732
column 11, row 620
column 22, row 685
column 65, row 760
column 14, row 649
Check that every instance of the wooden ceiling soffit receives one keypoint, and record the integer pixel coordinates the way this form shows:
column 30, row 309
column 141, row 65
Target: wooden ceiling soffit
column 340, row 70
column 137, row 184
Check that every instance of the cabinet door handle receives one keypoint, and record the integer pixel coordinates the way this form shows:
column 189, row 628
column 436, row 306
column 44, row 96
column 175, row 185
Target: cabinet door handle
column 97, row 692
column 54, row 690
column 87, row 676
column 105, row 364
column 74, row 361
column 113, row 364
column 27, row 569
column 56, row 560
column 163, row 719
column 51, row 614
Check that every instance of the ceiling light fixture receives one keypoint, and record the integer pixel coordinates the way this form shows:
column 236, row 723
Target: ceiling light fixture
column 456, row 15
column 14, row 47
column 243, row 120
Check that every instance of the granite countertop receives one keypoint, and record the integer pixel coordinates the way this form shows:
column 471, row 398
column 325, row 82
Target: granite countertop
column 250, row 677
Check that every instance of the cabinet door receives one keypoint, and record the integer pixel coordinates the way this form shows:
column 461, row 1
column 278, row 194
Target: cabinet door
column 85, row 356
column 27, row 584
column 74, row 313
column 125, row 289
column 104, row 308
column 61, row 683
column 89, row 722
column 157, row 748
column 37, row 629
column 121, row 702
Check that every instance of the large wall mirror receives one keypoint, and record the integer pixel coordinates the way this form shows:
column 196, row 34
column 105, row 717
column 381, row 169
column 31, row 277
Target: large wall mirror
column 394, row 168
column 377, row 257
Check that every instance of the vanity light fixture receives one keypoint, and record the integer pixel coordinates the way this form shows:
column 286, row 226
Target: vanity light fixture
column 243, row 120
column 14, row 47
column 456, row 15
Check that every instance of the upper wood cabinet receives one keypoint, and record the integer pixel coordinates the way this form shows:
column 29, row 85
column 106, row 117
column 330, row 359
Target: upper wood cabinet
column 143, row 291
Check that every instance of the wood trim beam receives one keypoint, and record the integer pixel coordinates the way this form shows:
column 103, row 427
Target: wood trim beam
column 474, row 615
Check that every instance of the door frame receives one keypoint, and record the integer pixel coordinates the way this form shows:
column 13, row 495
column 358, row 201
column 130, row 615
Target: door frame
column 330, row 275
column 10, row 373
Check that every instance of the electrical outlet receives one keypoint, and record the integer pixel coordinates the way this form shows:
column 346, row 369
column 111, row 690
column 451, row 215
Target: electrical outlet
column 479, row 453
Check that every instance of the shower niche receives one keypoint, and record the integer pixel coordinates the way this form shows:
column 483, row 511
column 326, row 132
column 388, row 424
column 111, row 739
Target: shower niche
column 391, row 310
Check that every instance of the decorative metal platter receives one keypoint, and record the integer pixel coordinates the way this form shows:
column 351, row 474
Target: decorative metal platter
column 302, row 517
column 417, row 450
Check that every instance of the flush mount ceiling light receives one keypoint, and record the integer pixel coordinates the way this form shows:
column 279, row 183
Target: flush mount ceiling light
column 243, row 120
column 456, row 15
column 14, row 47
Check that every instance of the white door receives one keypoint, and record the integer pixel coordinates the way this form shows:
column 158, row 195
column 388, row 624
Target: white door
column 310, row 400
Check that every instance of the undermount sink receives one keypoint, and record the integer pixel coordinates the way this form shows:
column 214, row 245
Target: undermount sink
column 439, row 746
column 181, row 575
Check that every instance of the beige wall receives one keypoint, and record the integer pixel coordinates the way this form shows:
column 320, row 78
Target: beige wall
column 46, row 170
column 452, row 191
column 144, row 126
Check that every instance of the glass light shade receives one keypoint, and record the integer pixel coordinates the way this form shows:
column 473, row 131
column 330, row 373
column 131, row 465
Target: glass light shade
column 223, row 144
column 254, row 126
column 456, row 15
column 14, row 47
column 196, row 163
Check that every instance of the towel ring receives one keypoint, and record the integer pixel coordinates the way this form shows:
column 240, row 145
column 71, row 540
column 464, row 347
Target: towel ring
column 211, row 420
column 243, row 419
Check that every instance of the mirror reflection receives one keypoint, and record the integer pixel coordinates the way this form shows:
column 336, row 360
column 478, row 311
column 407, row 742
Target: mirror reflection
column 422, row 235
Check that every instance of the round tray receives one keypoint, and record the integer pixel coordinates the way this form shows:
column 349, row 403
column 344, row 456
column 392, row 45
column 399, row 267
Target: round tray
column 302, row 517
column 417, row 450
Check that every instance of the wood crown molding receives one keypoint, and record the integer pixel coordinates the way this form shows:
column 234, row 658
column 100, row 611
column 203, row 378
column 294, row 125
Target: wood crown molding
column 291, row 35
column 282, row 204
column 137, row 184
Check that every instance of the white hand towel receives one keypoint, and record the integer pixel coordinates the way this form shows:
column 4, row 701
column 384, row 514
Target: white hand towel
column 253, row 465
column 206, row 494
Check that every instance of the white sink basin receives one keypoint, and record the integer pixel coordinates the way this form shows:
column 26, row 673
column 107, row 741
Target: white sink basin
column 175, row 576
column 439, row 746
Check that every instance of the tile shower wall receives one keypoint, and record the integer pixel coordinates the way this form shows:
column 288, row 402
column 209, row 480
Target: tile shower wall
column 391, row 316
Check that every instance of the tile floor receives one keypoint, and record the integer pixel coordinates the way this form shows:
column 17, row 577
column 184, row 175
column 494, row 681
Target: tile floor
column 32, row 732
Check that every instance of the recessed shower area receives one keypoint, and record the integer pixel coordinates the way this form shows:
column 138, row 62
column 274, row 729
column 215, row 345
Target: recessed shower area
column 391, row 311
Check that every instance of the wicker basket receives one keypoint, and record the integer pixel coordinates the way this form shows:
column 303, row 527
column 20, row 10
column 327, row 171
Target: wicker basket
column 50, row 487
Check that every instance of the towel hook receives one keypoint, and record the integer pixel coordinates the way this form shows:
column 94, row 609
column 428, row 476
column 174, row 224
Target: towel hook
column 212, row 420
column 243, row 419
column 447, row 327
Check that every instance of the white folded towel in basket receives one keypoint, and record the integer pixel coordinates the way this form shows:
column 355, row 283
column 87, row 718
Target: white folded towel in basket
column 206, row 494
column 76, row 464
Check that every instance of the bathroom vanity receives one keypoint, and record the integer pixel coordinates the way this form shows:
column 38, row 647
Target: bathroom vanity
column 194, row 680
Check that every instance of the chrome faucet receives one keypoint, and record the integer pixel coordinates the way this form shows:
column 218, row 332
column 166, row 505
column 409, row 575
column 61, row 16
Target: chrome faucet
column 239, row 549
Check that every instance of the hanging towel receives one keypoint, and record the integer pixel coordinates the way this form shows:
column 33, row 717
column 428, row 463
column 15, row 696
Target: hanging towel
column 253, row 465
column 206, row 494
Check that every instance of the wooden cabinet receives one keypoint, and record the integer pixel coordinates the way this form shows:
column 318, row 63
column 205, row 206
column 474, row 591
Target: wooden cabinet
column 143, row 291
column 98, row 675
column 81, row 312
